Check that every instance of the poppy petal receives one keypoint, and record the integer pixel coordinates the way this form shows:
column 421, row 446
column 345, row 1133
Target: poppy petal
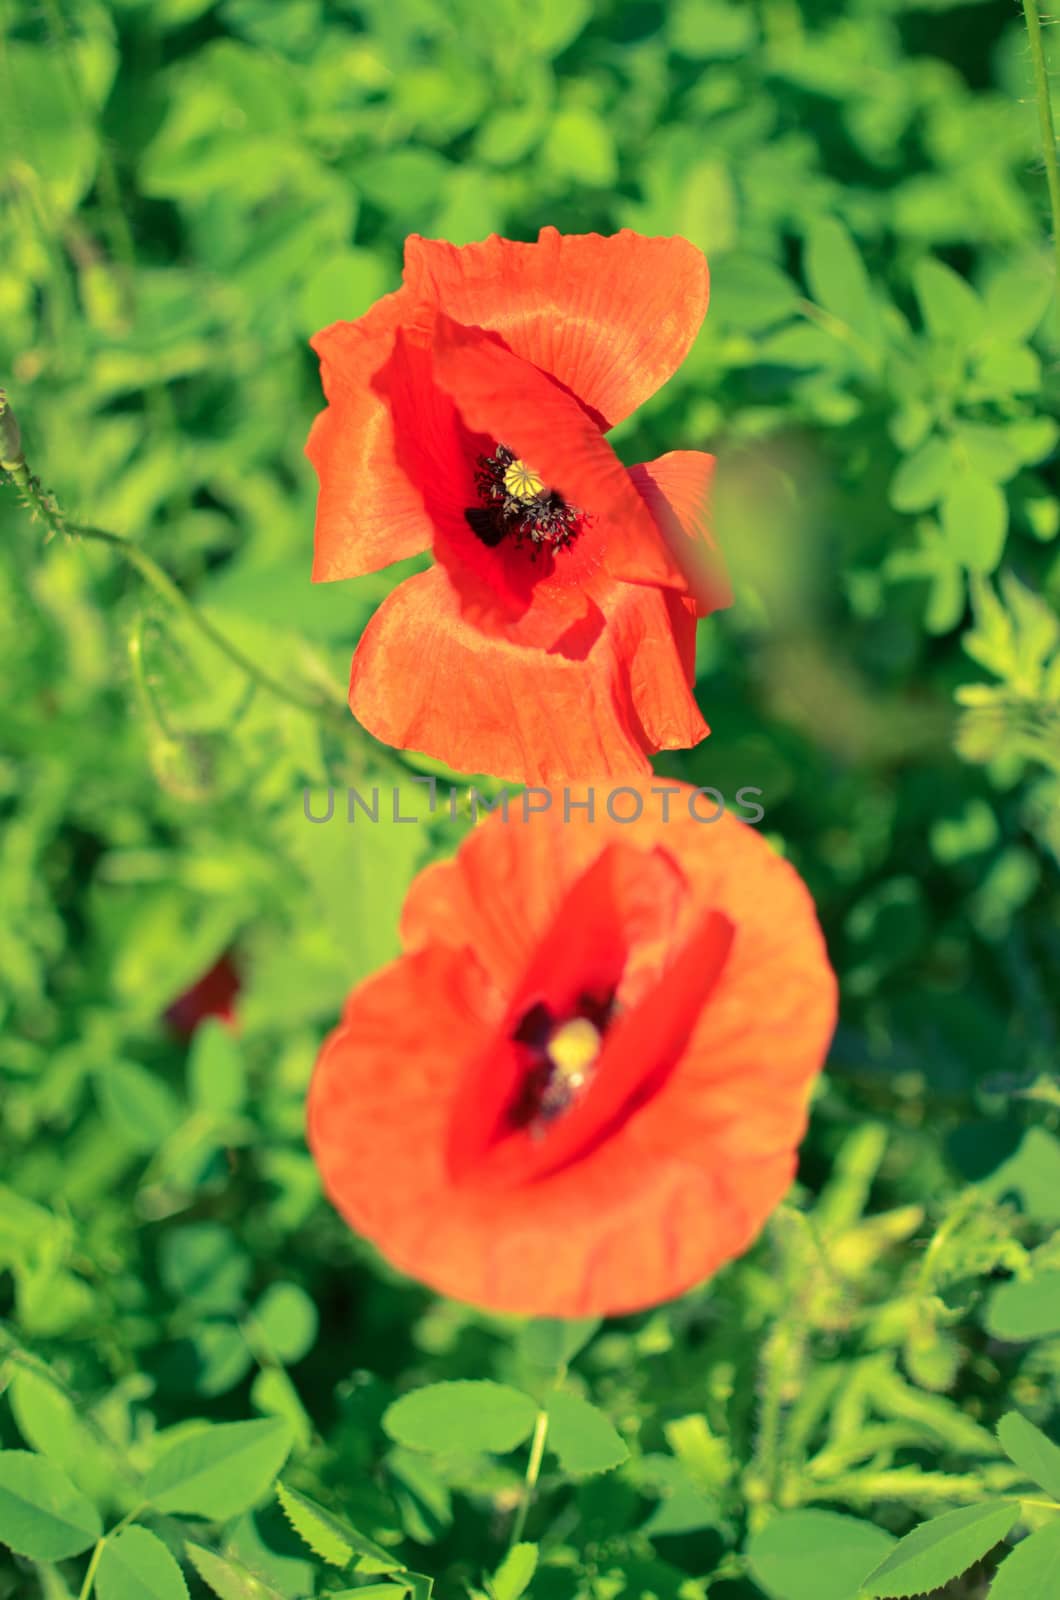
column 379, row 1146
column 368, row 512
column 676, row 488
column 609, row 318
column 424, row 678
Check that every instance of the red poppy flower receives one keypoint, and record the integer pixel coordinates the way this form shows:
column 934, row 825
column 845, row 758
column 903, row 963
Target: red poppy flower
column 554, row 635
column 581, row 1088
column 212, row 995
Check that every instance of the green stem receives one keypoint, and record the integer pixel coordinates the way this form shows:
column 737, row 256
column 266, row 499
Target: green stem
column 90, row 1574
column 533, row 1471
column 163, row 585
column 44, row 506
column 1045, row 120
column 331, row 708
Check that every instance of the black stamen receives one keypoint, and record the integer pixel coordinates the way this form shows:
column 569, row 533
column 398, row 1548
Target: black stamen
column 543, row 522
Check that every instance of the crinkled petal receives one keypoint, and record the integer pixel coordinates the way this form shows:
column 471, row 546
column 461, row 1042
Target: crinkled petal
column 676, row 488
column 610, row 318
column 424, row 678
column 369, row 513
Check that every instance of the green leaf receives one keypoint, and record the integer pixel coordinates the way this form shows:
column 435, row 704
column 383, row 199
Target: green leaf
column 975, row 520
column 42, row 1514
column 228, row 1578
column 836, row 275
column 707, row 208
column 1023, row 1311
column 920, row 480
column 550, row 26
column 1032, row 1452
column 940, row 1550
column 331, row 1537
column 43, row 125
column 709, row 29
column 216, row 1079
column 422, row 1498
column 1033, row 1170
column 50, row 1423
column 815, row 1555
column 465, row 1416
column 581, row 1436
column 288, row 1319
column 950, row 307
column 1004, row 369
column 1017, row 297
column 142, row 1110
column 580, row 146
column 323, row 1533
column 273, row 1393
column 405, row 181
column 220, row 1470
column 341, row 288
column 552, row 1342
column 1030, row 1572
column 137, row 1566
column 202, row 1266
column 508, row 133
column 991, row 448
column 513, row 1577
column 750, row 292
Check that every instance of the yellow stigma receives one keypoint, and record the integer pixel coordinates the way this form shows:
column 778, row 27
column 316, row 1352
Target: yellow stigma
column 522, row 482
column 573, row 1049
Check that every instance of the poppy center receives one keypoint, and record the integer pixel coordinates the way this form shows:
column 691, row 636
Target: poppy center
column 560, row 1060
column 515, row 505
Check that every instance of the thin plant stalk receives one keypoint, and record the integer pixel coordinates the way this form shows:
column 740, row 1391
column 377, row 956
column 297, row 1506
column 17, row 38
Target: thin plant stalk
column 1045, row 121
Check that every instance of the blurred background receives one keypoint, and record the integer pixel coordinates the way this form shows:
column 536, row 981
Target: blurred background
column 191, row 189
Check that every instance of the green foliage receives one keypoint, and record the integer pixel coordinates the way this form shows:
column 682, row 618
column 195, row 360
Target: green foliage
column 787, row 1557
column 331, row 1537
column 940, row 1550
column 581, row 1436
column 466, row 1416
column 1028, row 1447
column 220, row 1470
column 42, row 1514
column 191, row 188
column 135, row 1565
column 515, row 1573
column 1030, row 1571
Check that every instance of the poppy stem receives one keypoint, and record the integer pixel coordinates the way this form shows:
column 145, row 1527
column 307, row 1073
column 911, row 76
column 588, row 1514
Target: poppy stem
column 43, row 506
column 1045, row 120
column 533, row 1470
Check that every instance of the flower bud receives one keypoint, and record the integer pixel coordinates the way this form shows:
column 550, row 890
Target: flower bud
column 10, row 436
